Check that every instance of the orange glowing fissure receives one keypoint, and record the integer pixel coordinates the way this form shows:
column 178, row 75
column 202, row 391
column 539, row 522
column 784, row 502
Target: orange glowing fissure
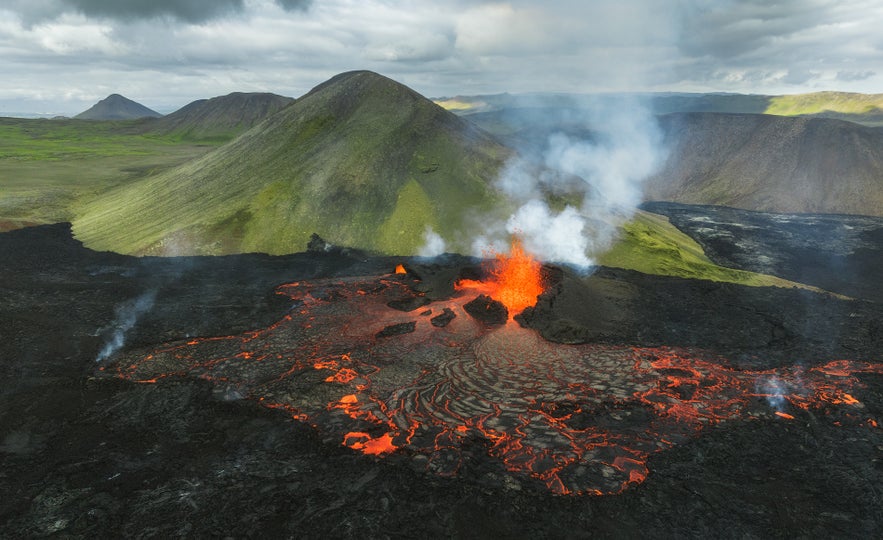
column 400, row 269
column 515, row 279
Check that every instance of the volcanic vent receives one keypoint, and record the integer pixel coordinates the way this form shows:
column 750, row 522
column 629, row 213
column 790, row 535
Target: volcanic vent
column 442, row 386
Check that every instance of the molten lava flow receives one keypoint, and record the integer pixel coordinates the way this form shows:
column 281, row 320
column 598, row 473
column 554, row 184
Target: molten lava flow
column 580, row 419
column 400, row 269
column 514, row 280
column 366, row 444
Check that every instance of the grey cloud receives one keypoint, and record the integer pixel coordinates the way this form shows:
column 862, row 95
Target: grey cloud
column 850, row 76
column 294, row 5
column 730, row 29
column 193, row 11
column 799, row 76
column 189, row 11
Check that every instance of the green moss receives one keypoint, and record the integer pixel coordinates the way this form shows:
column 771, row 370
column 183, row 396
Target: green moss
column 402, row 232
column 49, row 168
column 649, row 243
column 822, row 102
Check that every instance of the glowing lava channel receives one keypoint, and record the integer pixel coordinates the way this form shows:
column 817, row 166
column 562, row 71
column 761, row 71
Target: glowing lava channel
column 581, row 419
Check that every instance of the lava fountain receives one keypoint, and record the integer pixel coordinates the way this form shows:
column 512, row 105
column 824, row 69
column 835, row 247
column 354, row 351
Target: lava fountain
column 514, row 280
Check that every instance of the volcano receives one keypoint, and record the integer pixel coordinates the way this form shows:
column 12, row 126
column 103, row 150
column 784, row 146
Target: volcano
column 359, row 145
column 117, row 107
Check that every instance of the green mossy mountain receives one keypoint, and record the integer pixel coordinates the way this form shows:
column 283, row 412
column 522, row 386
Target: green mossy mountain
column 361, row 160
column 771, row 163
column 863, row 108
column 219, row 118
column 117, row 107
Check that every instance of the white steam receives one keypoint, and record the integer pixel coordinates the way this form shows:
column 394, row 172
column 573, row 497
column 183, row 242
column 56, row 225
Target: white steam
column 433, row 244
column 552, row 237
column 593, row 173
column 598, row 173
column 127, row 314
column 774, row 390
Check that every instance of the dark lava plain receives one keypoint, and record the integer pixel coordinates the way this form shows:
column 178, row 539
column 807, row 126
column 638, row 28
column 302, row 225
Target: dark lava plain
column 84, row 455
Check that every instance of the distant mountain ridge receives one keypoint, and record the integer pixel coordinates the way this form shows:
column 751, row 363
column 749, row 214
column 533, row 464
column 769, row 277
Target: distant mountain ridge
column 361, row 160
column 490, row 110
column 367, row 162
column 219, row 118
column 117, row 107
column 771, row 163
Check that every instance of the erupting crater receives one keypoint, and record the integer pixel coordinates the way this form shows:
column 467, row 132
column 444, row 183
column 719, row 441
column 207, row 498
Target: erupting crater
column 441, row 387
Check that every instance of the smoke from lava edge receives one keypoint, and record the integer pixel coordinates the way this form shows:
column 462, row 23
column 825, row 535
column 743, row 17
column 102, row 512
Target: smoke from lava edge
column 612, row 144
column 126, row 315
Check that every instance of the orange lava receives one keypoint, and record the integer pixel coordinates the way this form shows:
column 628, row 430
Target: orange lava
column 400, row 269
column 515, row 280
column 358, row 440
column 579, row 419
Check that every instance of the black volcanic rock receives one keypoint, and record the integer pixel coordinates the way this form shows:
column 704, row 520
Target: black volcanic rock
column 409, row 303
column 94, row 457
column 487, row 310
column 317, row 244
column 117, row 107
column 838, row 253
column 397, row 329
column 444, row 319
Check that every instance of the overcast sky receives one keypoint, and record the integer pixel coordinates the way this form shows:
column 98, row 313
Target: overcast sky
column 61, row 56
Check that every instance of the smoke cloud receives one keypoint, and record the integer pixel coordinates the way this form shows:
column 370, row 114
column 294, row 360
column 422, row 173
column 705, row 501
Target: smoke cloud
column 127, row 315
column 433, row 244
column 573, row 189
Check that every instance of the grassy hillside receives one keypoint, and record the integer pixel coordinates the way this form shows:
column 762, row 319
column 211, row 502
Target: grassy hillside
column 361, row 160
column 649, row 243
column 48, row 166
column 771, row 163
column 864, row 109
column 822, row 102
column 511, row 114
column 219, row 119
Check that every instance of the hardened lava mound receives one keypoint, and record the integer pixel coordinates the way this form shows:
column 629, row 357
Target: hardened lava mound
column 435, row 383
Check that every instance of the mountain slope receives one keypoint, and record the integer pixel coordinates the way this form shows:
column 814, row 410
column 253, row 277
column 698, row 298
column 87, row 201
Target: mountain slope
column 117, row 107
column 771, row 163
column 861, row 108
column 362, row 160
column 219, row 118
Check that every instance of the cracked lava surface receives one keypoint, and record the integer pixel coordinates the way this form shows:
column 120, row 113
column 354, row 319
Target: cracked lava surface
column 582, row 419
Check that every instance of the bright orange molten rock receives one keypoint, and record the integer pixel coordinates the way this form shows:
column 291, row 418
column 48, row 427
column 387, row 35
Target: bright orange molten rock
column 515, row 280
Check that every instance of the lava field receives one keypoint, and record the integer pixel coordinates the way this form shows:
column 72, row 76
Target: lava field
column 339, row 394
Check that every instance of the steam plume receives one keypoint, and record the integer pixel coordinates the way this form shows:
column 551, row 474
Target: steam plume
column 433, row 244
column 127, row 314
column 598, row 172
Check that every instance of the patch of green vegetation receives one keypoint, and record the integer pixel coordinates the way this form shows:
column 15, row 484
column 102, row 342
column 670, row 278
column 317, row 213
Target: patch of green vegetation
column 402, row 232
column 826, row 102
column 49, row 167
column 649, row 243
column 52, row 140
column 357, row 160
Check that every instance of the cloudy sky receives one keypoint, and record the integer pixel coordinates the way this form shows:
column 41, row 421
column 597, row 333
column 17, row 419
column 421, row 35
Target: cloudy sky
column 61, row 56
